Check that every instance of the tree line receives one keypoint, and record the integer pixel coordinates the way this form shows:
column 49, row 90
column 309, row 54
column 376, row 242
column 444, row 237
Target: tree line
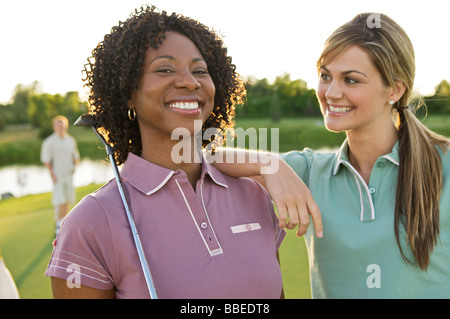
column 284, row 98
column 30, row 106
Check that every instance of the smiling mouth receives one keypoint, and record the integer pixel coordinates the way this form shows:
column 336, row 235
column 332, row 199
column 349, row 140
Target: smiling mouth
column 188, row 108
column 340, row 109
column 184, row 105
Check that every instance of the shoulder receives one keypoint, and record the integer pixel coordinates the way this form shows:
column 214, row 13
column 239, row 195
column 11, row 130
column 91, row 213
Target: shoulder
column 307, row 156
column 238, row 185
column 47, row 149
column 247, row 192
column 49, row 139
column 295, row 158
column 94, row 208
column 86, row 213
column 71, row 138
column 239, row 182
column 246, row 182
column 303, row 161
column 445, row 156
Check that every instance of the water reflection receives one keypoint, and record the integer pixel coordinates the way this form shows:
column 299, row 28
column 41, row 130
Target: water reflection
column 25, row 180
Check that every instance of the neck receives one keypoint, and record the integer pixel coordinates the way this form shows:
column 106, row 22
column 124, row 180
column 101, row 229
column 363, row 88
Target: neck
column 174, row 155
column 364, row 149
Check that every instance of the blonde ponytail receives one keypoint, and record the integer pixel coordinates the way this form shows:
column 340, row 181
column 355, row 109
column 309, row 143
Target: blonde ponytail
column 419, row 186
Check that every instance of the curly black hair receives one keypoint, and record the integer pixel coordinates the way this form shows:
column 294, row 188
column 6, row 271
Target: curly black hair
column 114, row 69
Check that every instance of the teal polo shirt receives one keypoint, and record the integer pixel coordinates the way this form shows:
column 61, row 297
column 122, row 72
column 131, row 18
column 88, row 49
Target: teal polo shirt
column 358, row 256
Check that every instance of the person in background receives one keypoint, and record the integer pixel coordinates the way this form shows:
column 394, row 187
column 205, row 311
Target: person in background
column 60, row 155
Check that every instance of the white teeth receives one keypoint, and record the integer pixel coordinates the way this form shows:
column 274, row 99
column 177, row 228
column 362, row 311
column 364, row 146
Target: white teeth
column 185, row 105
column 340, row 109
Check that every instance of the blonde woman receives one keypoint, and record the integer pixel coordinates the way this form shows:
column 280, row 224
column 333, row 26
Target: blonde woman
column 384, row 197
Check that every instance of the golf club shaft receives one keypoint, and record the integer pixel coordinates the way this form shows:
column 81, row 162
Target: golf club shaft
column 137, row 240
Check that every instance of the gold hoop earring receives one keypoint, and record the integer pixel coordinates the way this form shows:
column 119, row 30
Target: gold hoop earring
column 131, row 114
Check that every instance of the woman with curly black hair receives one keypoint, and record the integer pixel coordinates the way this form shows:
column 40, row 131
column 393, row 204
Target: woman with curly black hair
column 117, row 68
column 205, row 234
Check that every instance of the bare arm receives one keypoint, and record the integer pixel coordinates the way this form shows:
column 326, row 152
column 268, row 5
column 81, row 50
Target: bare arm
column 62, row 291
column 292, row 198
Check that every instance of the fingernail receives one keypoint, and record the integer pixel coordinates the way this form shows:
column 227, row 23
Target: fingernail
column 320, row 234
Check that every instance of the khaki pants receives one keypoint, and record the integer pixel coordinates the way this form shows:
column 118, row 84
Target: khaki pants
column 63, row 191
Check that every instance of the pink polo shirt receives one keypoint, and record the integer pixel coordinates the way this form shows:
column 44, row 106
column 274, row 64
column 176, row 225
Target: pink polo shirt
column 219, row 241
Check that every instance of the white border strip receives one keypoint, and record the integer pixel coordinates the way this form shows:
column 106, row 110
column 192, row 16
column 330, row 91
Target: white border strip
column 391, row 159
column 372, row 208
column 160, row 185
column 245, row 228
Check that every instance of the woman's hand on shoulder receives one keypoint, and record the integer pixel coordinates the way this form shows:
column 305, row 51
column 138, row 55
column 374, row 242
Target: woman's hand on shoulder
column 293, row 200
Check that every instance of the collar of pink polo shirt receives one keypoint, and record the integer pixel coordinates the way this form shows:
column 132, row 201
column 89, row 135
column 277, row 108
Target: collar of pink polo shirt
column 134, row 167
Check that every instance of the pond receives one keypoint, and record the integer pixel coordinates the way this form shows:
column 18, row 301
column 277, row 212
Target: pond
column 21, row 180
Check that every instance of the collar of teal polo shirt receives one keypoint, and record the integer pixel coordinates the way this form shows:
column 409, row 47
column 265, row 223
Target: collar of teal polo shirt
column 341, row 159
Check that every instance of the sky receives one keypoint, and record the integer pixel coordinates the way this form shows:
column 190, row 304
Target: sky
column 49, row 41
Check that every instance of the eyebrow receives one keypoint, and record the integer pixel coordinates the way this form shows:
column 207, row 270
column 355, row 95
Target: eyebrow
column 346, row 72
column 172, row 58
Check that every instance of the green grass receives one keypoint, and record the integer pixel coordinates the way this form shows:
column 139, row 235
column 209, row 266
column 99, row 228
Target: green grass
column 296, row 133
column 294, row 267
column 438, row 123
column 26, row 235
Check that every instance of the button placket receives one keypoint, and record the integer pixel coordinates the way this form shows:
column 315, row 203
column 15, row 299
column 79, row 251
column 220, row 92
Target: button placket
column 213, row 241
column 367, row 206
column 200, row 217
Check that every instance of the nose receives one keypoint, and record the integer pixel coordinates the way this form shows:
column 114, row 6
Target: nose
column 187, row 80
column 333, row 91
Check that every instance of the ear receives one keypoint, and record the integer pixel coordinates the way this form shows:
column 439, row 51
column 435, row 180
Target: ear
column 397, row 90
column 130, row 103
